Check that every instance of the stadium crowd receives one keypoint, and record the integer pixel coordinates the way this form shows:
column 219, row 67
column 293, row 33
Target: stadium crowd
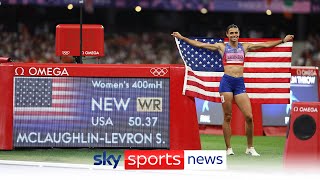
column 38, row 45
column 310, row 55
column 130, row 48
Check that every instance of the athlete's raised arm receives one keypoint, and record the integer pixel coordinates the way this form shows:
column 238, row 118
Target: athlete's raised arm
column 212, row 47
column 250, row 46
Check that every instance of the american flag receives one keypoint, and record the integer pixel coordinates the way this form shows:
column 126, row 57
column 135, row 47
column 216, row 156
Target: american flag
column 266, row 71
column 39, row 101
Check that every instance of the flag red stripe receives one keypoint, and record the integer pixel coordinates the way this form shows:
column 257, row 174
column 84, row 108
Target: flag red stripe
column 66, row 105
column 274, row 49
column 37, row 121
column 268, row 59
column 44, row 113
column 266, row 70
column 209, row 89
column 197, row 95
column 63, row 80
column 67, row 97
column 268, row 90
column 267, row 80
column 249, row 90
column 62, row 89
column 246, row 70
column 246, row 80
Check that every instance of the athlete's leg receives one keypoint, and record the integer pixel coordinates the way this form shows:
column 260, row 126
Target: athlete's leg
column 244, row 105
column 227, row 98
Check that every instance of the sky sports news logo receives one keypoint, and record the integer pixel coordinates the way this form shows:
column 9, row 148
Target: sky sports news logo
column 166, row 160
column 107, row 159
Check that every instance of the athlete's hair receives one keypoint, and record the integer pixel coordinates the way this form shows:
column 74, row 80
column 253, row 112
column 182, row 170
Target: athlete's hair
column 231, row 26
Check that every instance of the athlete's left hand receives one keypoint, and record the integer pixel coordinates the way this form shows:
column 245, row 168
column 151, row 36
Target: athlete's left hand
column 288, row 37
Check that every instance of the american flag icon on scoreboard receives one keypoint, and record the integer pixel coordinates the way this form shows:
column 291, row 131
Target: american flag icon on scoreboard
column 46, row 100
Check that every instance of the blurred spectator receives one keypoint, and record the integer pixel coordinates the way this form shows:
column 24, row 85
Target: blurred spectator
column 310, row 55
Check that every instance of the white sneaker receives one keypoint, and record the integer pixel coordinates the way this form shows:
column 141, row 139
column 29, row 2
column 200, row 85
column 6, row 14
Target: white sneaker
column 252, row 151
column 230, row 151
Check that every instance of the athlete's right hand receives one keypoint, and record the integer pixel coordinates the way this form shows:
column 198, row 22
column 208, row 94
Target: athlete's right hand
column 177, row 35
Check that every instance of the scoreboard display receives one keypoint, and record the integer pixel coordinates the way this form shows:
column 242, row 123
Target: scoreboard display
column 113, row 106
column 91, row 112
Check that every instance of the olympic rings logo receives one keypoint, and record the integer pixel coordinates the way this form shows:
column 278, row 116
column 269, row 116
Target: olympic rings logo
column 65, row 53
column 159, row 71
